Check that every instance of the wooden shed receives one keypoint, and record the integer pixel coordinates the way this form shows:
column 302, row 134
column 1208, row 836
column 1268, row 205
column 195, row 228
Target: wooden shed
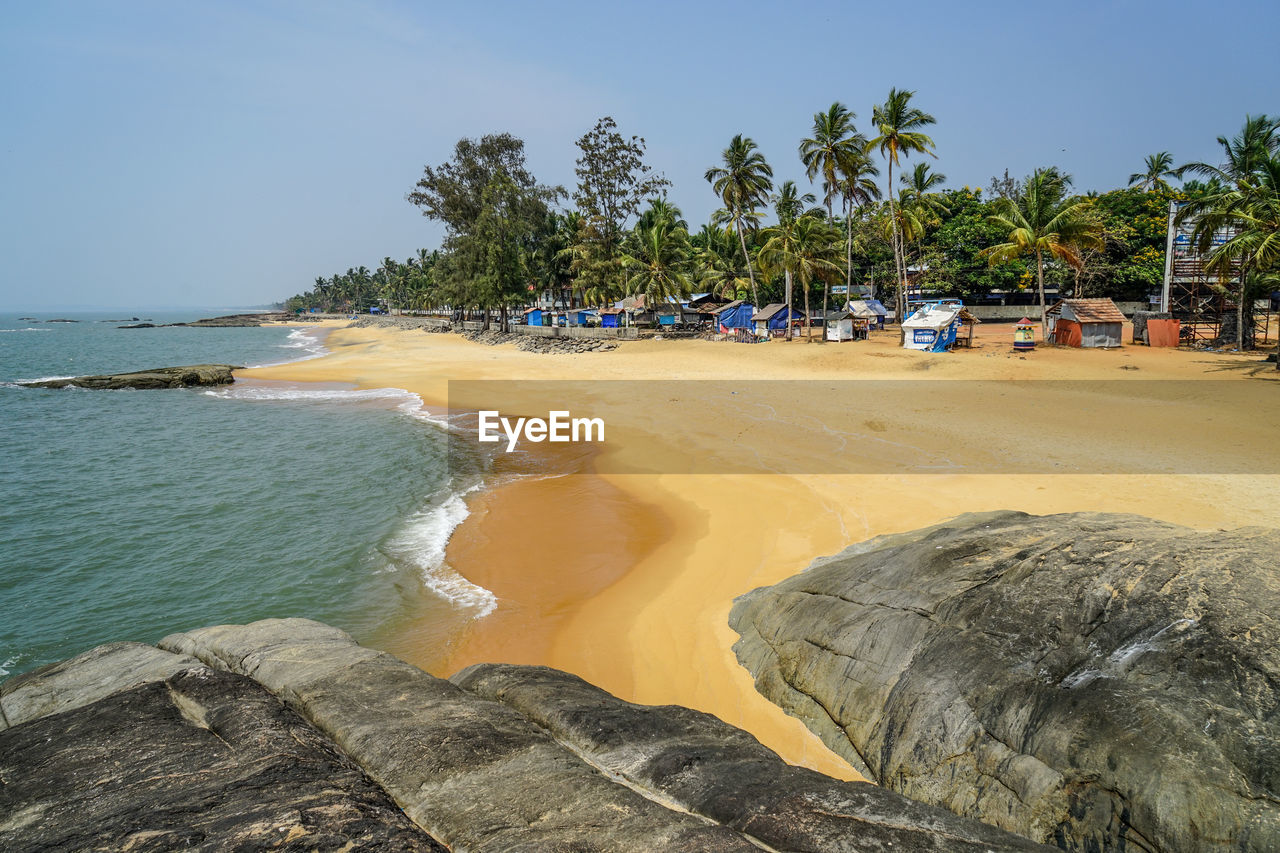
column 1085, row 323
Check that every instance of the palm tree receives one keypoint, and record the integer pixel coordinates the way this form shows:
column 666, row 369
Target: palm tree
column 788, row 203
column 804, row 248
column 834, row 145
column 898, row 125
column 1158, row 167
column 1042, row 220
column 743, row 184
column 1238, row 184
column 719, row 268
column 657, row 255
column 919, row 207
column 858, row 189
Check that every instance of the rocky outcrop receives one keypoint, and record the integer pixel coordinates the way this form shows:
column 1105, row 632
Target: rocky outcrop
column 238, row 320
column 287, row 733
column 159, row 377
column 1101, row 682
column 538, row 343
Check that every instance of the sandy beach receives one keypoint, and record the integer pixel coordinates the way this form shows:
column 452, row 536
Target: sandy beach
column 621, row 564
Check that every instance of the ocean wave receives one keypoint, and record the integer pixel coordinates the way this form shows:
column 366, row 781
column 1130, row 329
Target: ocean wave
column 299, row 339
column 406, row 402
column 27, row 329
column 8, row 664
column 421, row 544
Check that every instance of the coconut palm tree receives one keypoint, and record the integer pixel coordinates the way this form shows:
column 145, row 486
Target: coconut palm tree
column 803, row 248
column 657, row 258
column 834, row 144
column 919, row 207
column 789, row 204
column 1042, row 220
column 857, row 189
column 743, row 184
column 718, row 266
column 1235, row 184
column 898, row 135
column 1158, row 167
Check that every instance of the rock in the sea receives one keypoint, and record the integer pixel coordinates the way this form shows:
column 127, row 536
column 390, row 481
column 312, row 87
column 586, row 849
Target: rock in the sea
column 1100, row 682
column 286, row 733
column 159, row 377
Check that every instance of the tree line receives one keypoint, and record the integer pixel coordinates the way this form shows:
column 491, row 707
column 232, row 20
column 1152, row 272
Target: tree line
column 509, row 237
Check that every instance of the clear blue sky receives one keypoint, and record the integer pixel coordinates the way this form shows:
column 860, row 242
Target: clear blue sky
column 228, row 153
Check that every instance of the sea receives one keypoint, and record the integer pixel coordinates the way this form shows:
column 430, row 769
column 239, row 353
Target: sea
column 129, row 515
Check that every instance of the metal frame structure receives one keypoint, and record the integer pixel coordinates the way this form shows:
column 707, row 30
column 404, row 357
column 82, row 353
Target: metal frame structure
column 1199, row 300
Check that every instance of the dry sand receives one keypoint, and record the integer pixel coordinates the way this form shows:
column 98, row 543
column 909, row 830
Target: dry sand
column 627, row 578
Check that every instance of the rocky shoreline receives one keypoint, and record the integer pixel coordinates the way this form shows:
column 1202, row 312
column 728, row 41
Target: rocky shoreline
column 286, row 733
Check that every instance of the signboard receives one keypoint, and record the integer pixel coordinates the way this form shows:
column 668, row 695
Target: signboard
column 923, row 336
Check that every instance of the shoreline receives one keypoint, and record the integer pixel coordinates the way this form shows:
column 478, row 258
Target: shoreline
column 626, row 580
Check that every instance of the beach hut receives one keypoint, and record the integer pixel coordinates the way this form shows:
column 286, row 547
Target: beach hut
column 609, row 318
column 1085, row 323
column 582, row 316
column 868, row 309
column 533, row 316
column 932, row 326
column 773, row 319
column 844, row 326
column 735, row 315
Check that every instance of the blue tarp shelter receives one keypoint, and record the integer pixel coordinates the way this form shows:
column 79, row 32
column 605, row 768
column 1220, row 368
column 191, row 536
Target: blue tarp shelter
column 774, row 318
column 735, row 315
column 533, row 317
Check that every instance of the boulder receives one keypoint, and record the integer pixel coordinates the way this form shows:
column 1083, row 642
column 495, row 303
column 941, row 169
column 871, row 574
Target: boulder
column 159, row 377
column 1100, row 682
column 201, row 759
column 286, row 733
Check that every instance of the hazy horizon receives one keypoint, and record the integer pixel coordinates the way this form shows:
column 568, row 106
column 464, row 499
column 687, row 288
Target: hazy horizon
column 231, row 153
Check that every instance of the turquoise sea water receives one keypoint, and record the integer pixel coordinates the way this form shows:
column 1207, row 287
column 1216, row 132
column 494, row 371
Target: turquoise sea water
column 133, row 514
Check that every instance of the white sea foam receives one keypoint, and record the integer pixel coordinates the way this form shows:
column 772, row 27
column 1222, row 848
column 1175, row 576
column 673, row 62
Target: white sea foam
column 404, row 401
column 421, row 544
column 27, row 329
column 9, row 662
column 302, row 339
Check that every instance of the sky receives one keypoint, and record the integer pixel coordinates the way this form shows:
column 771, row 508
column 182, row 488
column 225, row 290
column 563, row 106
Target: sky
column 161, row 154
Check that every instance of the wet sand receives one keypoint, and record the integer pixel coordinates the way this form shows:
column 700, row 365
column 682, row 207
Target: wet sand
column 627, row 579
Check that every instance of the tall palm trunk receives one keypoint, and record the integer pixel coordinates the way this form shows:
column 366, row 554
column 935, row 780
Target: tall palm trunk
column 899, row 267
column 788, row 276
column 825, row 287
column 1044, row 313
column 1240, row 311
column 755, row 297
column 808, row 327
column 848, row 248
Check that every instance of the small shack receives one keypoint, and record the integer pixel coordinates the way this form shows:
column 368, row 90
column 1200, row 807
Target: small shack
column 932, row 326
column 964, row 337
column 844, row 326
column 609, row 318
column 773, row 319
column 533, row 316
column 735, row 315
column 870, row 310
column 1085, row 323
column 581, row 316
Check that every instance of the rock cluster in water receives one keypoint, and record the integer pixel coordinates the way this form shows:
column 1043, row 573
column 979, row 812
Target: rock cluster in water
column 158, row 377
column 286, row 733
column 1101, row 682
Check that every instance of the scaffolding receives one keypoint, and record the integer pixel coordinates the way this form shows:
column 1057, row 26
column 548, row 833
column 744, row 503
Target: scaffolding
column 1204, row 302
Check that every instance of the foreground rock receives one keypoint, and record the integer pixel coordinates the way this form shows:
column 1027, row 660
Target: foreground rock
column 1101, row 682
column 287, row 733
column 160, row 377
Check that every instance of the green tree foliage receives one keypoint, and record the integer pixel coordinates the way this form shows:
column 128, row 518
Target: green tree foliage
column 492, row 209
column 613, row 182
column 657, row 256
column 1043, row 220
column 1157, row 168
column 743, row 184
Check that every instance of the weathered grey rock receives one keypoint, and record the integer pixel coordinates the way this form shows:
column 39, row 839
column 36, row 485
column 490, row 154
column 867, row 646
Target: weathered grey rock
column 709, row 768
column 158, row 377
column 474, row 773
column 202, row 760
column 84, row 679
column 238, row 320
column 1103, row 682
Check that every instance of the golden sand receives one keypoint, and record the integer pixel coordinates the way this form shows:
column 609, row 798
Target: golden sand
column 627, row 579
